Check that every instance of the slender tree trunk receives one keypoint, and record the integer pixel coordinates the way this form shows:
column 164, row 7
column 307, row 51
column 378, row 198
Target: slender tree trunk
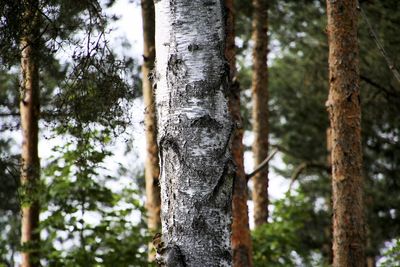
column 369, row 250
column 260, row 109
column 371, row 262
column 152, row 170
column 241, row 239
column 327, row 247
column 345, row 116
column 29, row 109
column 194, row 134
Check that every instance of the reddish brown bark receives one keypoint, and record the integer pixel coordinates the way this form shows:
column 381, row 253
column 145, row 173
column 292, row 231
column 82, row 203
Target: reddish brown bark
column 345, row 117
column 241, row 239
column 327, row 247
column 152, row 171
column 29, row 109
column 260, row 109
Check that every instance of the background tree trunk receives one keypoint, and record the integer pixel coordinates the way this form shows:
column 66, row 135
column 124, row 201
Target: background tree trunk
column 152, row 170
column 345, row 117
column 260, row 109
column 327, row 247
column 194, row 134
column 241, row 238
column 30, row 111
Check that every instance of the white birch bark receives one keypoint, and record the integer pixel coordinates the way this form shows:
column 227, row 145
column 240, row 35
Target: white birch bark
column 194, row 133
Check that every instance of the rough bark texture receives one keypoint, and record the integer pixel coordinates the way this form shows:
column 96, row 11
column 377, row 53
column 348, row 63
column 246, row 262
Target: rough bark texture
column 241, row 239
column 345, row 117
column 194, row 134
column 260, row 109
column 152, row 170
column 29, row 109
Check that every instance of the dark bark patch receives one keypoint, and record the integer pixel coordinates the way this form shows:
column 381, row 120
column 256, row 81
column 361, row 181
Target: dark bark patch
column 206, row 122
column 171, row 255
column 199, row 224
column 176, row 66
column 200, row 89
column 209, row 3
column 168, row 142
column 193, row 47
column 341, row 9
column 349, row 97
column 240, row 256
column 220, row 195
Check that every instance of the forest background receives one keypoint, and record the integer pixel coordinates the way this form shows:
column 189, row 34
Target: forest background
column 92, row 141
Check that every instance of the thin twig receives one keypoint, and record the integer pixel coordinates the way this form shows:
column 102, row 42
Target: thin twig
column 375, row 84
column 10, row 114
column 262, row 165
column 43, row 114
column 302, row 167
column 389, row 62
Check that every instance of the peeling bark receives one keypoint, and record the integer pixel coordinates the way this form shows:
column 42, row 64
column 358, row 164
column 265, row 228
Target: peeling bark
column 260, row 109
column 241, row 238
column 30, row 110
column 345, row 117
column 152, row 170
column 194, row 134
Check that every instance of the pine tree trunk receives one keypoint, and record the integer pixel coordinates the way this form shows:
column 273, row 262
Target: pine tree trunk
column 152, row 170
column 194, row 134
column 29, row 109
column 371, row 262
column 260, row 109
column 345, row 117
column 327, row 247
column 241, row 239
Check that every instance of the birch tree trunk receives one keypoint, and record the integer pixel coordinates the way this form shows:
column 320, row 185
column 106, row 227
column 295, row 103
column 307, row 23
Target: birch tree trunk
column 152, row 170
column 260, row 109
column 29, row 109
column 345, row 117
column 194, row 134
column 241, row 239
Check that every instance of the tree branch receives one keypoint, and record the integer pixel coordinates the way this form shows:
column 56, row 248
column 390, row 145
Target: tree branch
column 306, row 165
column 263, row 164
column 10, row 114
column 374, row 84
column 389, row 62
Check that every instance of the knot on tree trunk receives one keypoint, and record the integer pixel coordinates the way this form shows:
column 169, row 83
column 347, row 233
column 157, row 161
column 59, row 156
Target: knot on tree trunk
column 168, row 255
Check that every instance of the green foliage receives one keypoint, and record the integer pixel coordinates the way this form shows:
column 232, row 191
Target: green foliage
column 279, row 242
column 91, row 83
column 10, row 231
column 95, row 92
column 87, row 89
column 9, row 204
column 86, row 222
column 298, row 85
column 298, row 120
column 392, row 255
